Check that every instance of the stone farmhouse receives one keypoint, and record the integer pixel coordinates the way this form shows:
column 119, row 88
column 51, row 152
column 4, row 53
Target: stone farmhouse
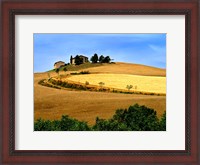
column 84, row 59
column 59, row 64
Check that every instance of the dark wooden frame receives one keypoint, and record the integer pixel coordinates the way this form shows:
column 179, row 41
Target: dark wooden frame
column 115, row 7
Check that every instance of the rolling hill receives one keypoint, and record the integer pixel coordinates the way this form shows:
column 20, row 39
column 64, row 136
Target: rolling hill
column 50, row 103
column 119, row 68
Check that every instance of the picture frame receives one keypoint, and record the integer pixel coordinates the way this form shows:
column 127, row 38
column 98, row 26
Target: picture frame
column 12, row 8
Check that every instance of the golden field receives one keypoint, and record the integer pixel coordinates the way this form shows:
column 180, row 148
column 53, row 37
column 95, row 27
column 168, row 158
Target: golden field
column 51, row 103
column 128, row 68
column 154, row 84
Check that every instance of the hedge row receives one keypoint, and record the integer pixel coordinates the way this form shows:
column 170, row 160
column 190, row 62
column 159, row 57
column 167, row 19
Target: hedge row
column 44, row 83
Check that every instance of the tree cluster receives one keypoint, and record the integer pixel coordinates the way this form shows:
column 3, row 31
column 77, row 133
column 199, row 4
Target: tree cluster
column 135, row 118
column 78, row 60
column 65, row 124
column 100, row 59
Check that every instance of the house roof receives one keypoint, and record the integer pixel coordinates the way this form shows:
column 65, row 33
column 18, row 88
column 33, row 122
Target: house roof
column 80, row 56
column 58, row 62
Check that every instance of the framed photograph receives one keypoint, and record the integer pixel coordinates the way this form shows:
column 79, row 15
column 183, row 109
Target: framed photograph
column 99, row 82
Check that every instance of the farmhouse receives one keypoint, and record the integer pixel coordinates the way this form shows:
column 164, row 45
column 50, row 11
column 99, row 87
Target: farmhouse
column 82, row 57
column 59, row 64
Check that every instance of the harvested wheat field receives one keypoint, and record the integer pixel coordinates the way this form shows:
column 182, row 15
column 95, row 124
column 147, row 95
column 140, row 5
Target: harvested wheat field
column 128, row 68
column 154, row 84
column 50, row 103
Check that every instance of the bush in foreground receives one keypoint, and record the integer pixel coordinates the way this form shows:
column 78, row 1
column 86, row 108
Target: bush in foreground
column 65, row 124
column 135, row 118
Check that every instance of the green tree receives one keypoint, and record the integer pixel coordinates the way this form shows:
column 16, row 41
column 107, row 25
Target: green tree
column 87, row 83
column 65, row 124
column 71, row 59
column 101, row 84
column 129, row 87
column 135, row 87
column 135, row 118
column 107, row 59
column 57, row 71
column 94, row 58
column 163, row 122
column 101, row 59
column 78, row 60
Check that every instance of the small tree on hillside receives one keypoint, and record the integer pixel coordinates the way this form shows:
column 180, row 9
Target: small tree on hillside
column 107, row 59
column 101, row 59
column 71, row 59
column 129, row 87
column 101, row 84
column 57, row 71
column 94, row 58
column 135, row 87
column 87, row 83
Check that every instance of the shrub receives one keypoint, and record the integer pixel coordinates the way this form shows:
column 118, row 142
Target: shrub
column 84, row 72
column 101, row 84
column 87, row 83
column 68, row 124
column 65, row 69
column 129, row 87
column 65, row 124
column 103, row 89
column 63, row 84
column 57, row 71
column 59, row 82
column 81, row 87
column 135, row 118
column 163, row 122
column 41, row 81
column 75, row 73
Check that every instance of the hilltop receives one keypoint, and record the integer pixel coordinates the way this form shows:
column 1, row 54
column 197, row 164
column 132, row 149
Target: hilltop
column 118, row 68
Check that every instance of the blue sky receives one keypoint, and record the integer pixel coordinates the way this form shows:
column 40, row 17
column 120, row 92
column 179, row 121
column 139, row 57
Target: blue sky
column 147, row 49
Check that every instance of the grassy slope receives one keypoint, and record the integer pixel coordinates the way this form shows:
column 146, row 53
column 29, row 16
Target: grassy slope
column 127, row 68
column 52, row 103
column 118, row 67
column 78, row 67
